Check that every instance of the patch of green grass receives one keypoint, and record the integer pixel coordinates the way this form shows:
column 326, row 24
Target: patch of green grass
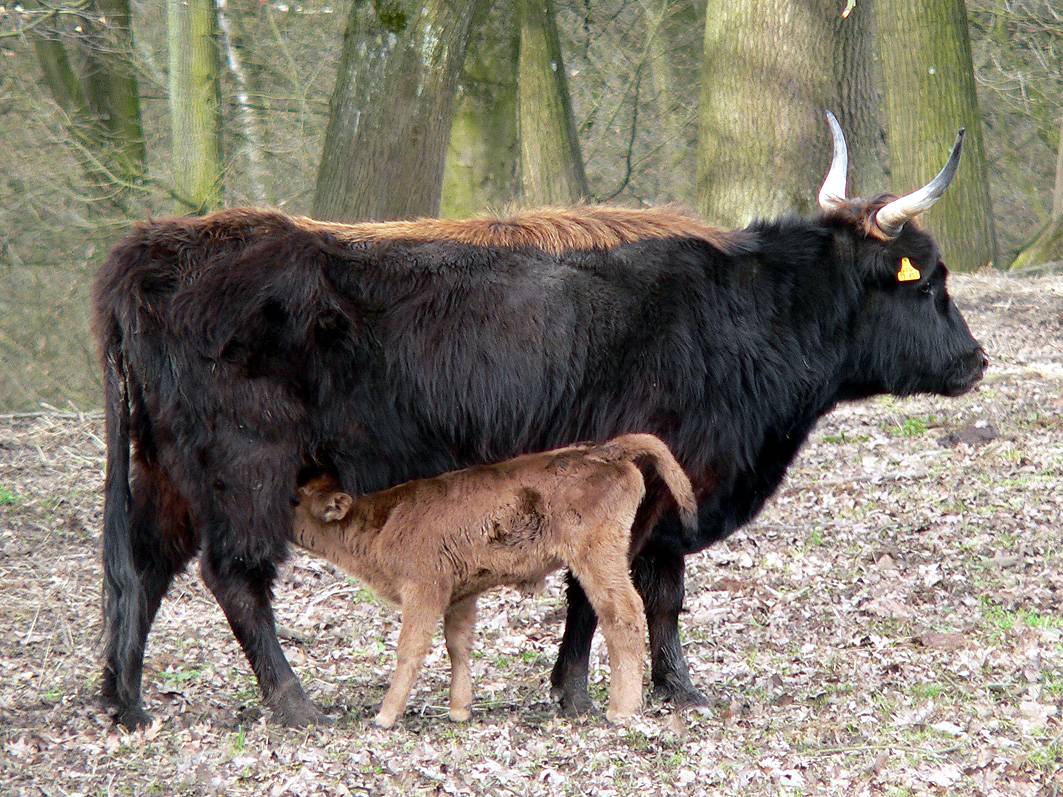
column 815, row 537
column 53, row 695
column 842, row 438
column 916, row 426
column 1047, row 757
column 637, row 740
column 239, row 741
column 175, row 677
column 7, row 497
column 1002, row 620
column 926, row 691
column 531, row 656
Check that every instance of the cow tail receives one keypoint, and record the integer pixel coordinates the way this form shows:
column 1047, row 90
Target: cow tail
column 633, row 446
column 122, row 591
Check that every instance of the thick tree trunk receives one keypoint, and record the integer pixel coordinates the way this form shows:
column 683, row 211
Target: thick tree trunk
column 930, row 93
column 857, row 76
column 550, row 159
column 249, row 123
column 100, row 101
column 675, row 56
column 1047, row 245
column 766, row 78
column 112, row 86
column 195, row 104
column 482, row 157
column 391, row 111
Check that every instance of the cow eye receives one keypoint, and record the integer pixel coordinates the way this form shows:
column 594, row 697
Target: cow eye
column 926, row 289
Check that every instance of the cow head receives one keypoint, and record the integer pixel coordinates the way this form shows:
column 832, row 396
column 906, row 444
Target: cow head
column 908, row 336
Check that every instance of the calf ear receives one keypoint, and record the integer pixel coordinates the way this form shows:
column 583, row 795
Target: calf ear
column 337, row 505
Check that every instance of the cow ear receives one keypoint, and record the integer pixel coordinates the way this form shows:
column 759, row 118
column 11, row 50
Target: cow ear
column 336, row 507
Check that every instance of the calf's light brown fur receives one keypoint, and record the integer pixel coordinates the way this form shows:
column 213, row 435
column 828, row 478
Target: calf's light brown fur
column 433, row 545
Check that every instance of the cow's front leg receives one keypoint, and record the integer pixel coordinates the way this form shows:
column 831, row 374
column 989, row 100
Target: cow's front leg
column 242, row 589
column 659, row 578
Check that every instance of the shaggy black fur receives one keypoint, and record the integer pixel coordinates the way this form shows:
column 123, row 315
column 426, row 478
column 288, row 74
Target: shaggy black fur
column 242, row 353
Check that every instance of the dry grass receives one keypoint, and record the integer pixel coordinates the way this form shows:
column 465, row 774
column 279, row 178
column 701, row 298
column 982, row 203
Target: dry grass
column 891, row 625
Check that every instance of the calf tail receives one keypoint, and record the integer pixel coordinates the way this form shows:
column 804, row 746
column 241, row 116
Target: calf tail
column 123, row 602
column 632, row 446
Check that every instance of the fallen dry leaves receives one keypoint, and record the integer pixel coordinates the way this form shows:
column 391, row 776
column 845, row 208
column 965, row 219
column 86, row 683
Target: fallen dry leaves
column 892, row 624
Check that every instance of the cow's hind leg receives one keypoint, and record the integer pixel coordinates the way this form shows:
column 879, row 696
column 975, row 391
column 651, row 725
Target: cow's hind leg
column 162, row 542
column 568, row 679
column 658, row 575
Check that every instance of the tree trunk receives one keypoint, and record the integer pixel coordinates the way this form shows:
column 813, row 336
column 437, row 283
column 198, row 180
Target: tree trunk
column 195, row 104
column 857, row 74
column 112, row 86
column 675, row 56
column 249, row 121
column 550, row 158
column 1047, row 245
column 764, row 146
column 930, row 93
column 391, row 110
column 482, row 157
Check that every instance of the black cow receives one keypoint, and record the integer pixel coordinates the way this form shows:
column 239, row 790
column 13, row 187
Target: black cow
column 245, row 348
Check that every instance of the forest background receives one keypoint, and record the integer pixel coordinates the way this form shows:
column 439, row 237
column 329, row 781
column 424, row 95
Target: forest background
column 116, row 110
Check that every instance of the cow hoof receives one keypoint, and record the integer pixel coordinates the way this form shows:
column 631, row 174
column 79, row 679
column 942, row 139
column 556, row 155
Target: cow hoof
column 575, row 703
column 132, row 718
column 681, row 696
column 619, row 717
column 460, row 714
column 299, row 714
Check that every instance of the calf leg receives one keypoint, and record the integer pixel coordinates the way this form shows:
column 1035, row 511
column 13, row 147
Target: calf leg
column 658, row 575
column 421, row 611
column 459, row 625
column 162, row 542
column 568, row 679
column 602, row 569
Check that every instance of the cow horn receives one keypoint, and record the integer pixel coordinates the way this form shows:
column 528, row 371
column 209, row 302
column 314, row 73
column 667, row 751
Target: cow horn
column 832, row 192
column 892, row 217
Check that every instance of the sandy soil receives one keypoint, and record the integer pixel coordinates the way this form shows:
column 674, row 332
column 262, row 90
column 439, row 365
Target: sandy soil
column 892, row 624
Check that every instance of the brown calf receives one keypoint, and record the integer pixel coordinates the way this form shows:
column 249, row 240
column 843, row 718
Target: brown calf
column 433, row 545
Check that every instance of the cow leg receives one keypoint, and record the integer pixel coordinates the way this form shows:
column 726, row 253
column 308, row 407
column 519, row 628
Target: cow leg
column 162, row 543
column 568, row 680
column 658, row 575
column 243, row 592
column 247, row 520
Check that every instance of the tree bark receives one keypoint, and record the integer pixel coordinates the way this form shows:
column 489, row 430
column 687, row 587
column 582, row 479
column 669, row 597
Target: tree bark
column 550, row 158
column 930, row 93
column 195, row 104
column 1047, row 245
column 112, row 87
column 391, row 110
column 857, row 76
column 482, row 156
column 763, row 143
column 674, row 56
column 249, row 121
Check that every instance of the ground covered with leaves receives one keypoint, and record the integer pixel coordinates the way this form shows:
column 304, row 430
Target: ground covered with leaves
column 892, row 624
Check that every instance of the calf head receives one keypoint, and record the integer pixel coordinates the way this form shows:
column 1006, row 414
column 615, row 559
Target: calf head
column 907, row 336
column 320, row 500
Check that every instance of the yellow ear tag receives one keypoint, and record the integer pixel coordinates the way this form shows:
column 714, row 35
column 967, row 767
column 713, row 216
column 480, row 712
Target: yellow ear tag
column 908, row 272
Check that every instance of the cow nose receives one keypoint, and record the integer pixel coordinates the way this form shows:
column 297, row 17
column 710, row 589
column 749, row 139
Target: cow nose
column 985, row 360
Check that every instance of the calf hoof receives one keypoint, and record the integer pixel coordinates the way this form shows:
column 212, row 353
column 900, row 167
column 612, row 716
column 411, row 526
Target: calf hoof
column 620, row 717
column 383, row 720
column 132, row 718
column 460, row 714
column 682, row 696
